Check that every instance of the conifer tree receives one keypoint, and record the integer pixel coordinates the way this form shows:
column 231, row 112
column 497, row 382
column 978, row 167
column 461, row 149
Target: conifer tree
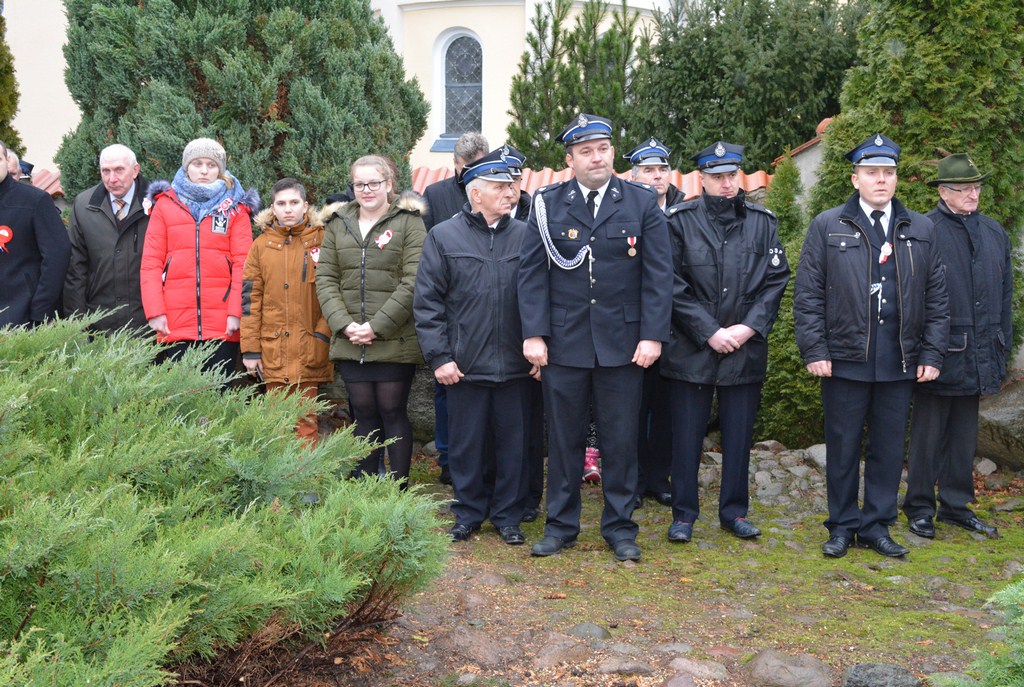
column 588, row 67
column 938, row 77
column 8, row 91
column 291, row 88
column 759, row 73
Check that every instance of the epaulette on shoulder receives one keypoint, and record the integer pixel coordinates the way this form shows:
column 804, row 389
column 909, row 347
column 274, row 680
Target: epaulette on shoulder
column 551, row 187
column 639, row 184
column 680, row 207
column 759, row 208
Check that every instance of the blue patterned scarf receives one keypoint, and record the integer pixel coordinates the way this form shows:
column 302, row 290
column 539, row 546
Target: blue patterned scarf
column 203, row 200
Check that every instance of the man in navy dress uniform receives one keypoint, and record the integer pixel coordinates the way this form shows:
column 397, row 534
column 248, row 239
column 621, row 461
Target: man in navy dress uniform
column 595, row 312
column 872, row 318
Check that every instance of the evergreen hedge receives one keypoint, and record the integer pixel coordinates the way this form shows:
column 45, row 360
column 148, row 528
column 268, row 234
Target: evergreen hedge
column 8, row 91
column 149, row 521
column 297, row 88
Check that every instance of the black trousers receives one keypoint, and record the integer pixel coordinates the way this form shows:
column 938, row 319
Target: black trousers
column 654, row 451
column 476, row 413
column 535, row 452
column 616, row 396
column 691, row 409
column 943, row 440
column 848, row 405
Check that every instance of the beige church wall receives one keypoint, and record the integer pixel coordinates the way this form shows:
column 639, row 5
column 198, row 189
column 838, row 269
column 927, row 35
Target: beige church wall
column 36, row 33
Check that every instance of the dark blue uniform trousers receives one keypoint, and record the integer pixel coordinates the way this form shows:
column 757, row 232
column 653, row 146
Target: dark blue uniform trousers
column 485, row 420
column 943, row 440
column 616, row 397
column 535, row 453
column 654, row 452
column 691, row 410
column 847, row 406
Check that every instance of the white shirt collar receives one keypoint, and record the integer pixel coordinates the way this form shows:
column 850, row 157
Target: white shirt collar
column 600, row 193
column 867, row 210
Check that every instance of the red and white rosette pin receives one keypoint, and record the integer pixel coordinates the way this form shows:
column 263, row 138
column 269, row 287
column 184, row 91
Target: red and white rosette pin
column 6, row 234
column 884, row 253
column 384, row 239
column 314, row 255
column 632, row 246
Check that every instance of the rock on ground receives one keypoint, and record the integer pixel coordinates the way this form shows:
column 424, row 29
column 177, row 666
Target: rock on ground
column 879, row 675
column 773, row 668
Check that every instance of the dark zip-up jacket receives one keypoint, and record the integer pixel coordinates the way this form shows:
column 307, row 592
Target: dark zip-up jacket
column 723, row 275
column 832, row 301
column 465, row 306
column 106, row 257
column 372, row 279
column 979, row 281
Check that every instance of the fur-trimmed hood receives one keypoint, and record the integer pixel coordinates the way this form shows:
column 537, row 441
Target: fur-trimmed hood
column 264, row 220
column 407, row 201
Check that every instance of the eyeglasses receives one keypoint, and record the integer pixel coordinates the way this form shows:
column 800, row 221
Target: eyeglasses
column 975, row 188
column 371, row 185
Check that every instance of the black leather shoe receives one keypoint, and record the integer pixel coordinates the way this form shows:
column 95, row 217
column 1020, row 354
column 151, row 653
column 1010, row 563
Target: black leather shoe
column 512, row 535
column 626, row 550
column 662, row 497
column 461, row 532
column 922, row 527
column 836, row 546
column 551, row 544
column 680, row 531
column 529, row 515
column 638, row 502
column 972, row 524
column 446, row 475
column 885, row 546
column 741, row 528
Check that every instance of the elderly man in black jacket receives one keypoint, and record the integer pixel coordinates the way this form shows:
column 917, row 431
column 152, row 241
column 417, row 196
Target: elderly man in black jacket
column 467, row 324
column 108, row 230
column 944, row 426
column 34, row 252
column 872, row 318
column 730, row 274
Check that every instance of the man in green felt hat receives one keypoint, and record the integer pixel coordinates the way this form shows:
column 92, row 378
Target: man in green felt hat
column 944, row 427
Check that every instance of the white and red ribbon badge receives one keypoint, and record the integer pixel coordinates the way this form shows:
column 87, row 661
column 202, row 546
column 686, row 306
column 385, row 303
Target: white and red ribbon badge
column 6, row 234
column 884, row 253
column 314, row 255
column 384, row 239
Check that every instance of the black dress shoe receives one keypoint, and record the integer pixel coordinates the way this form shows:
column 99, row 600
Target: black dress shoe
column 626, row 550
column 884, row 545
column 446, row 475
column 512, row 535
column 551, row 544
column 680, row 531
column 922, row 527
column 638, row 502
column 461, row 532
column 741, row 528
column 662, row 497
column 836, row 546
column 529, row 515
column 973, row 524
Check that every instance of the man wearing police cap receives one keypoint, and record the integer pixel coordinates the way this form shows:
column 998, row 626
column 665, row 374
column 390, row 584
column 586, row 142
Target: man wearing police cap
column 595, row 313
column 975, row 251
column 650, row 166
column 467, row 324
column 654, row 451
column 872, row 318
column 522, row 201
column 730, row 274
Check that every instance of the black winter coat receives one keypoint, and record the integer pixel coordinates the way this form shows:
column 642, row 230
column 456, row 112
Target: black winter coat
column 106, row 257
column 465, row 303
column 979, row 281
column 444, row 200
column 34, row 253
column 832, row 302
column 722, row 276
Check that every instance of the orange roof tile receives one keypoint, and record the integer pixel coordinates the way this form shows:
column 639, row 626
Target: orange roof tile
column 533, row 179
column 48, row 181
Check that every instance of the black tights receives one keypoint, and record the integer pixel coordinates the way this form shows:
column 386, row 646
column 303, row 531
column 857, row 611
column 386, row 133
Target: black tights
column 380, row 411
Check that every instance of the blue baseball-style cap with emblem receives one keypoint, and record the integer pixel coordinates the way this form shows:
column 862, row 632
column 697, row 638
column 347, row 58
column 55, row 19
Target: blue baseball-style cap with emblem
column 491, row 167
column 719, row 158
column 650, row 152
column 875, row 151
column 515, row 160
column 586, row 127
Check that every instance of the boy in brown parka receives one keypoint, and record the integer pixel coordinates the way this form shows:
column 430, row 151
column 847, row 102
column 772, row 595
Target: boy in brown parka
column 285, row 338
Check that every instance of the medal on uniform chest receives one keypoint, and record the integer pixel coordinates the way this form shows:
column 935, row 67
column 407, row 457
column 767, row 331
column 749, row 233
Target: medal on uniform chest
column 574, row 233
column 632, row 246
column 884, row 253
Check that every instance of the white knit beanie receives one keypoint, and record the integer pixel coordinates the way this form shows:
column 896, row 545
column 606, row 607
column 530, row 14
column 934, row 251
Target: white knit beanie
column 205, row 147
